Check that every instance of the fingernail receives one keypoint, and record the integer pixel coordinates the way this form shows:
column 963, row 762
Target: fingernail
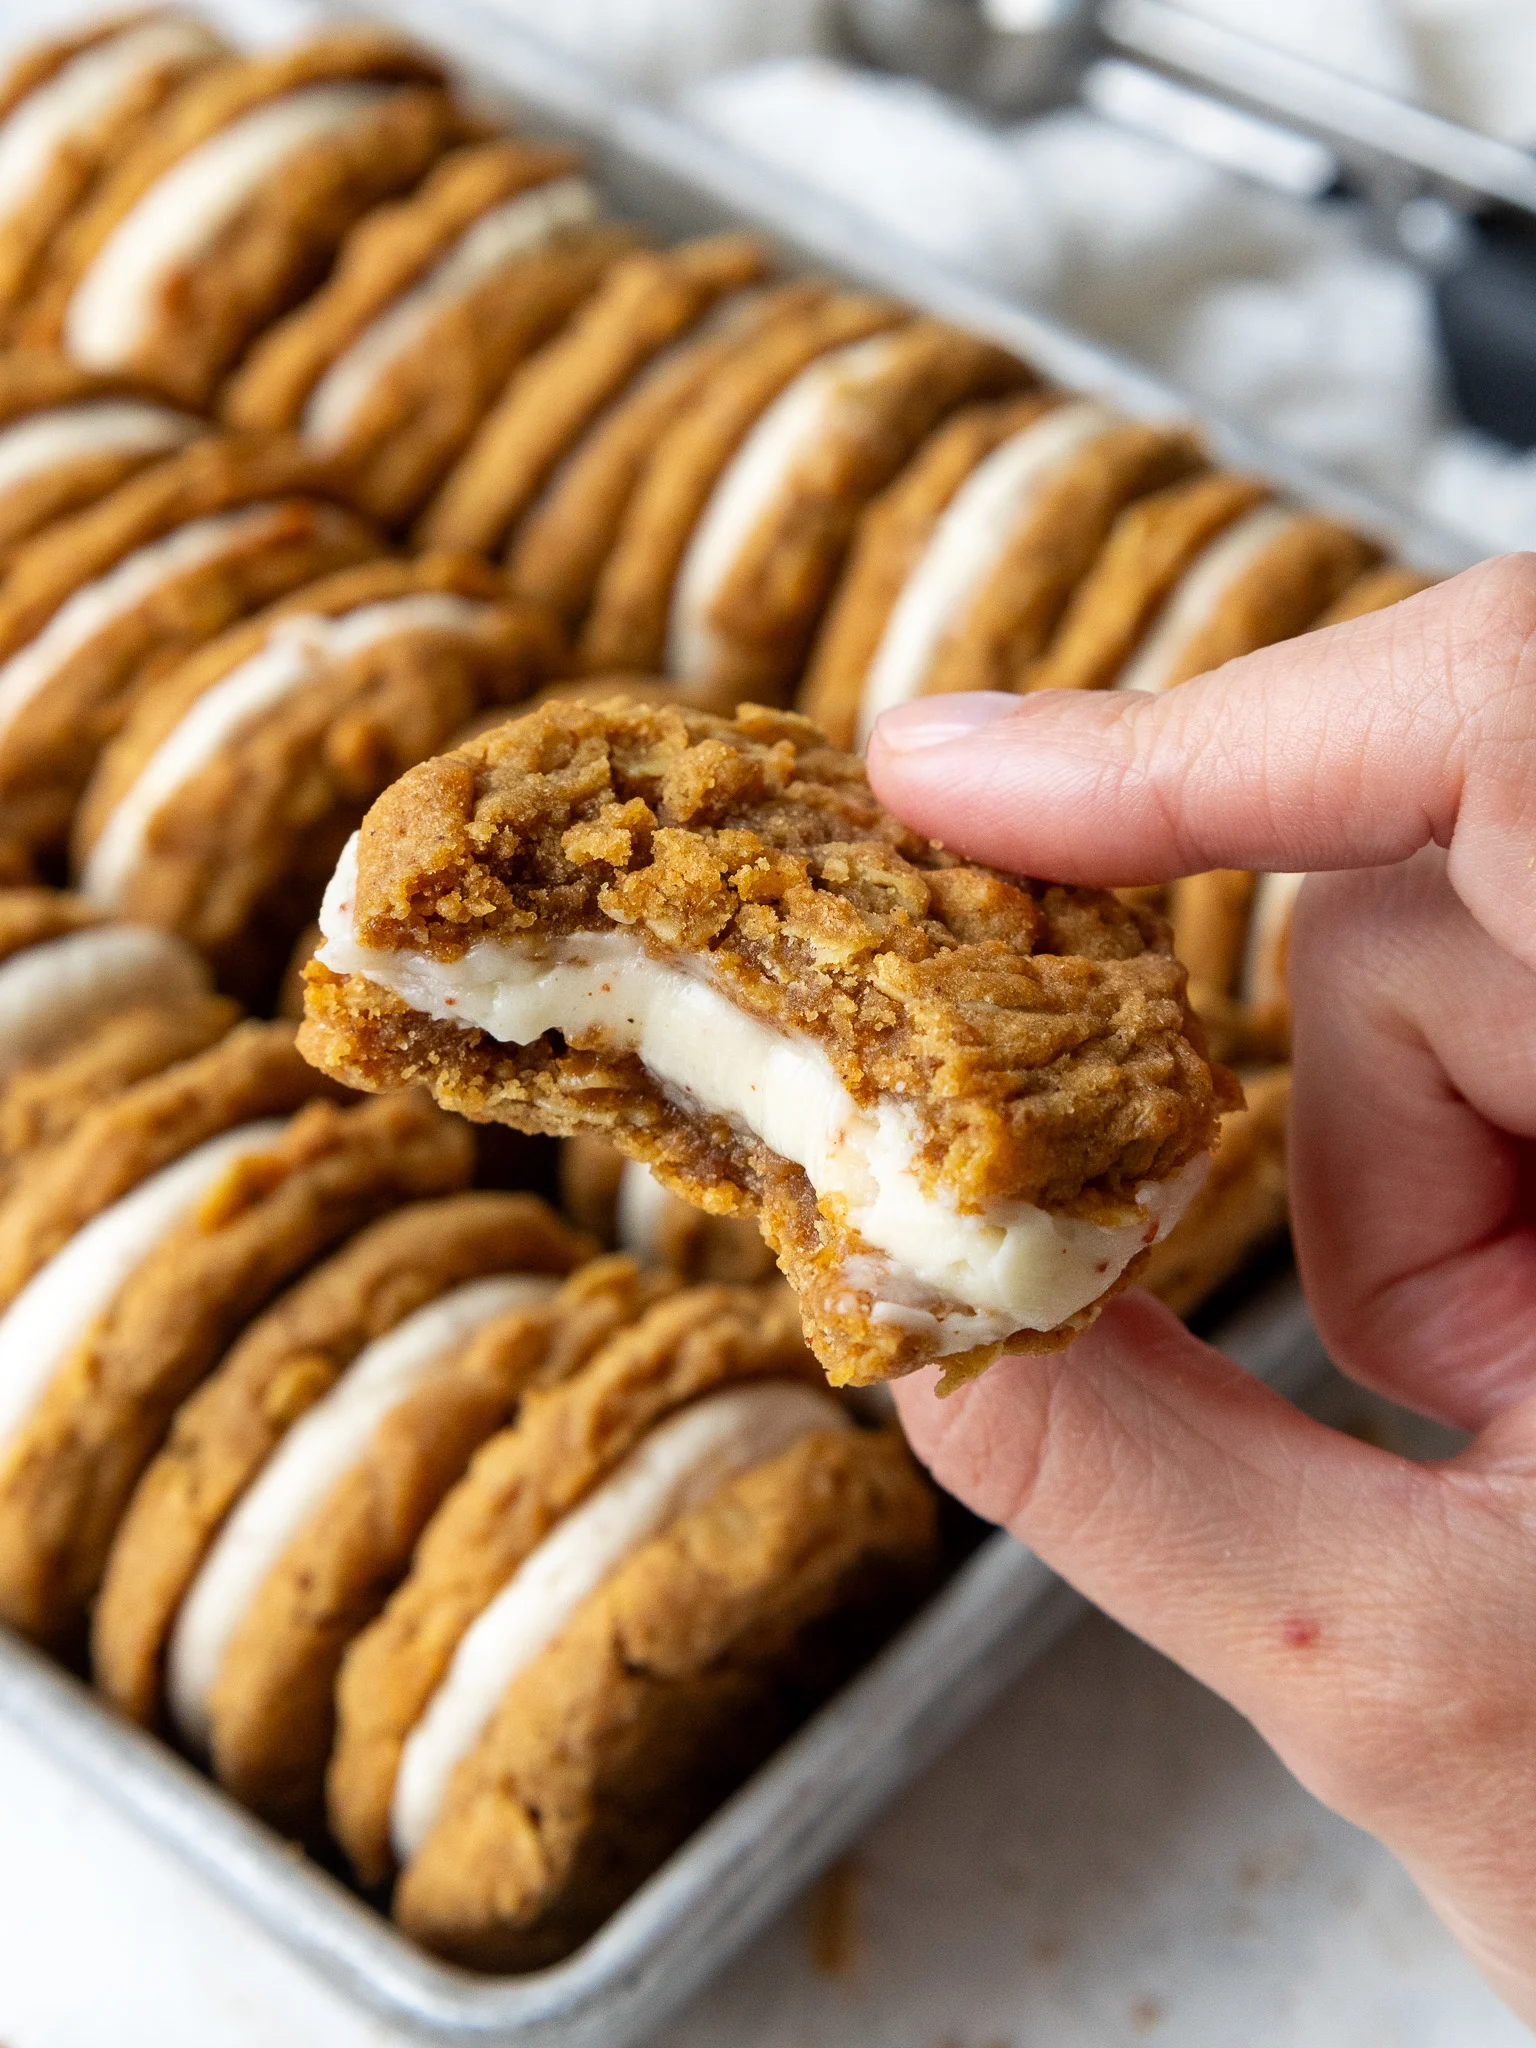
column 930, row 721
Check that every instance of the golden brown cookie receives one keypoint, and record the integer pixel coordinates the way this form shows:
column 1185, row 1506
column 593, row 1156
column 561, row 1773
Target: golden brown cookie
column 285, row 1362
column 770, row 540
column 758, row 983
column 389, row 251
column 568, row 1437
column 1149, row 548
column 627, row 626
column 232, row 206
column 557, row 554
column 1267, row 575
column 31, row 916
column 69, row 109
column 1374, row 591
column 673, row 1680
column 1010, row 547
column 42, row 1100
column 253, row 1072
column 620, row 1202
column 646, row 302
column 98, row 605
column 67, row 438
column 220, row 809
column 892, row 536
column 1242, row 1206
column 118, row 1328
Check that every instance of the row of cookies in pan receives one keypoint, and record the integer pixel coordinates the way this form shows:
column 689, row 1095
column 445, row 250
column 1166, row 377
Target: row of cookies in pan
column 282, row 1399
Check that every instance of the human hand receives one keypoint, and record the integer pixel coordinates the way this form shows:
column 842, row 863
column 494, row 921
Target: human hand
column 1374, row 1619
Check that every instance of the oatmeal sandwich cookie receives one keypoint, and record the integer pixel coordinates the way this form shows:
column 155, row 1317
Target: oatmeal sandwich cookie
column 569, row 1437
column 286, row 1364
column 70, row 108
column 99, row 604
column 232, row 205
column 324, row 1526
column 622, row 1203
column 433, row 305
column 960, row 1104
column 108, row 1336
column 557, row 552
column 219, row 811
column 643, row 307
column 966, row 564
column 68, row 438
column 1261, row 579
column 629, row 624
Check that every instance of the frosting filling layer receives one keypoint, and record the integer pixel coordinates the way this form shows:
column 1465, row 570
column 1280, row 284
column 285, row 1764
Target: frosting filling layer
column 315, row 1455
column 297, row 651
column 518, row 227
column 78, row 433
column 750, row 486
column 968, row 541
column 94, row 607
column 957, row 1279
column 114, row 304
column 55, row 1310
column 673, row 1470
column 85, row 91
column 51, row 995
column 1199, row 594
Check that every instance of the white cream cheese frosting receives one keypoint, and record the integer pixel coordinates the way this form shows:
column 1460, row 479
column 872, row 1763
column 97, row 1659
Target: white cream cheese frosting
column 297, row 651
column 80, row 433
column 672, row 1471
column 57, row 1307
column 51, row 995
column 752, row 483
column 961, row 1279
column 1263, row 981
column 968, row 541
column 85, row 92
column 1194, row 601
column 95, row 606
column 518, row 227
column 310, row 1462
column 113, row 306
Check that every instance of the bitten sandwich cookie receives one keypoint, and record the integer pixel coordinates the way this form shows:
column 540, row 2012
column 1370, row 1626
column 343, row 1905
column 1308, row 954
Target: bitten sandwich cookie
column 965, row 566
column 71, row 108
column 286, row 1364
column 232, row 205
column 744, row 1559
column 116, row 1329
column 1263, row 578
column 761, row 562
column 68, row 438
column 645, row 304
column 323, row 1527
column 960, row 1104
column 557, row 554
column 98, row 604
column 622, row 1203
column 434, row 303
column 629, row 623
column 221, row 808
column 567, row 1440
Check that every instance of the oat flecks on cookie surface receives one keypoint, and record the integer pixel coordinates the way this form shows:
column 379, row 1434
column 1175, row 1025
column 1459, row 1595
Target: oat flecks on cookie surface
column 1040, row 1034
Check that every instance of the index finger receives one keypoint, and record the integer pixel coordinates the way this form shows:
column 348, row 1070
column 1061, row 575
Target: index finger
column 1351, row 747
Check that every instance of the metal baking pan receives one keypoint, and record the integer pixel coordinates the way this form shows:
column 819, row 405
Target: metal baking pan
column 1000, row 1607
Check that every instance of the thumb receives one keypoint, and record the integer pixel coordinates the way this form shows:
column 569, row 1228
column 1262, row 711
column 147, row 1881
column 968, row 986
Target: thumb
column 1206, row 1514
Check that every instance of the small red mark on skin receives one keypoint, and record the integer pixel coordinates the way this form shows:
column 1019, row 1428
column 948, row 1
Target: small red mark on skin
column 1300, row 1631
